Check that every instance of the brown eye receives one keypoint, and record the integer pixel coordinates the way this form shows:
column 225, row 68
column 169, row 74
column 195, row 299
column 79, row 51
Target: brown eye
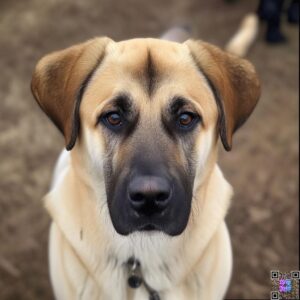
column 185, row 119
column 114, row 119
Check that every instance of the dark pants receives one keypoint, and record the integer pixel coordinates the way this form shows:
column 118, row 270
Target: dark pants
column 270, row 11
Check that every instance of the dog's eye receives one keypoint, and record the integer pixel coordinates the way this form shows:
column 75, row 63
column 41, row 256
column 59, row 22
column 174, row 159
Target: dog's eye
column 186, row 119
column 113, row 119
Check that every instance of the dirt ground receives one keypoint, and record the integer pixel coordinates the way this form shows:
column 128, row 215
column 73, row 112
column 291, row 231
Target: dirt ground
column 263, row 166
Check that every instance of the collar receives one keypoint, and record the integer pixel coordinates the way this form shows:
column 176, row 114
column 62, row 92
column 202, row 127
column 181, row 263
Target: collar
column 136, row 278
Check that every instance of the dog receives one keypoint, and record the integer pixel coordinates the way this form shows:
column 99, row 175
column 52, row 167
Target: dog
column 138, row 200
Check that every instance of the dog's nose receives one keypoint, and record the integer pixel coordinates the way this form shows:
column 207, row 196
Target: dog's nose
column 149, row 194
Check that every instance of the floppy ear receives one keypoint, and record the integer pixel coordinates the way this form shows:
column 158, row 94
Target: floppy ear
column 234, row 83
column 59, row 81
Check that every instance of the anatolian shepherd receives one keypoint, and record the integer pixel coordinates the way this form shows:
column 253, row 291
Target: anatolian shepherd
column 138, row 203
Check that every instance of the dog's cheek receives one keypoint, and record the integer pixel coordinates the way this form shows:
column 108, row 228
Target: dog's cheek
column 92, row 152
column 187, row 146
column 111, row 163
column 204, row 155
column 188, row 153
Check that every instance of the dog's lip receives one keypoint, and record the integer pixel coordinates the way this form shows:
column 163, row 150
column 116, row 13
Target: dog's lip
column 148, row 227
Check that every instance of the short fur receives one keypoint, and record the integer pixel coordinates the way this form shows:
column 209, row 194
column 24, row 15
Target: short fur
column 74, row 87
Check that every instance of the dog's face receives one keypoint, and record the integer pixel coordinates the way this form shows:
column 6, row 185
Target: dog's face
column 153, row 117
column 150, row 112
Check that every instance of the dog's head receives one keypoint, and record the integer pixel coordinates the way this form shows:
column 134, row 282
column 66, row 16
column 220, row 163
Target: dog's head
column 145, row 116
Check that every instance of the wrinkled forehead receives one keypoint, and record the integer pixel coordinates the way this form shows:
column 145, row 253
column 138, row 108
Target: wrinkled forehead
column 148, row 57
column 151, row 71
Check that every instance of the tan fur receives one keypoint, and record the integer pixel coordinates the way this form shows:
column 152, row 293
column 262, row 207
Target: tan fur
column 87, row 256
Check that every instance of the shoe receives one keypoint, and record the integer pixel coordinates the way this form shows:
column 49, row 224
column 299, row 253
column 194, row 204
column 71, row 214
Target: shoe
column 293, row 13
column 275, row 37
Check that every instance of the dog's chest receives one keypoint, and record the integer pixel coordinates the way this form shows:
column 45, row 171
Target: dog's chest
column 116, row 288
column 112, row 280
column 113, row 285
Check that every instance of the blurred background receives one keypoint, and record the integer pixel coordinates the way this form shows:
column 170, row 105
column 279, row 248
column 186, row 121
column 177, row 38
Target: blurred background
column 262, row 167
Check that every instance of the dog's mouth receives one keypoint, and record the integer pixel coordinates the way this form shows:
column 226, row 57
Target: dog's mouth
column 149, row 227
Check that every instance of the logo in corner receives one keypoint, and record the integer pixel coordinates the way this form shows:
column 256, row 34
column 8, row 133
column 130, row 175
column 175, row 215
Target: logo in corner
column 285, row 285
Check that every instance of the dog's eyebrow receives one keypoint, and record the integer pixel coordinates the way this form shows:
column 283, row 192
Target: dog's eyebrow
column 123, row 101
column 177, row 103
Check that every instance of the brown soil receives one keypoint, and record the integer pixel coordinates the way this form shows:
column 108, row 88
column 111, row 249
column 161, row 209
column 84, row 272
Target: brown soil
column 262, row 167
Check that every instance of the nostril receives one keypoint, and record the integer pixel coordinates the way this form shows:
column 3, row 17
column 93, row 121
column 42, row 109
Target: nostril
column 162, row 196
column 137, row 197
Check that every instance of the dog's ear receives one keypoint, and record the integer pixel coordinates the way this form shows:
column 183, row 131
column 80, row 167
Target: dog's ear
column 59, row 81
column 234, row 83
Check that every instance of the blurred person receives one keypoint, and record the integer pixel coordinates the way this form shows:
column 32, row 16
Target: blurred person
column 271, row 12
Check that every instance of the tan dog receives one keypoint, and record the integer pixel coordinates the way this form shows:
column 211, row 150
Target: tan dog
column 142, row 118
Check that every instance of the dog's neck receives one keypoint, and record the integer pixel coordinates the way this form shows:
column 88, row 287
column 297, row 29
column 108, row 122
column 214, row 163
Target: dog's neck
column 165, row 260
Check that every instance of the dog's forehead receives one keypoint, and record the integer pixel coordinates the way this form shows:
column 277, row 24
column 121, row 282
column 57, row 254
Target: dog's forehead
column 148, row 69
column 136, row 57
column 141, row 49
